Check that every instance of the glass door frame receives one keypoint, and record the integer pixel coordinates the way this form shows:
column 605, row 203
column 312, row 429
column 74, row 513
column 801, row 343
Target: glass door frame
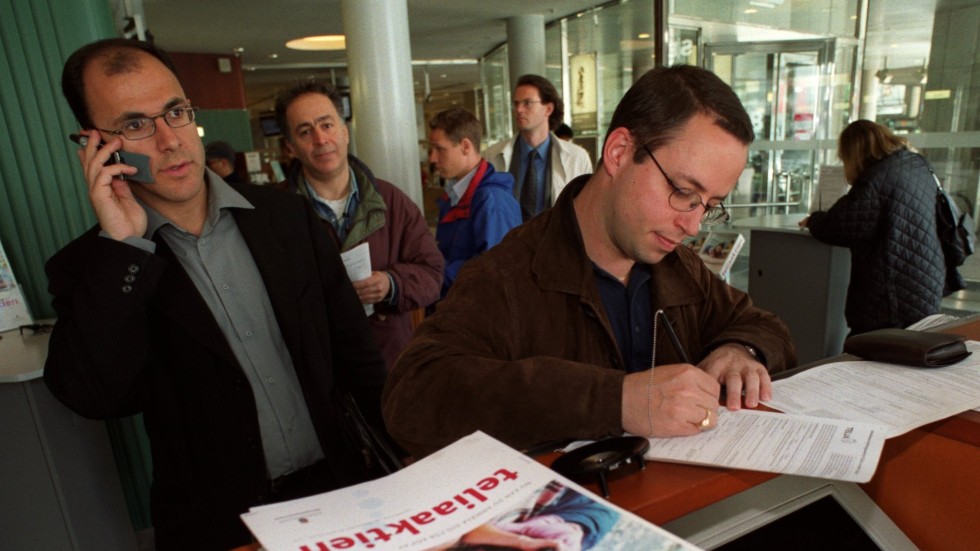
column 819, row 141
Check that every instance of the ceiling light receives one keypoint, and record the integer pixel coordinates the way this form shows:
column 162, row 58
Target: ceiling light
column 643, row 35
column 323, row 42
column 751, row 11
column 273, row 56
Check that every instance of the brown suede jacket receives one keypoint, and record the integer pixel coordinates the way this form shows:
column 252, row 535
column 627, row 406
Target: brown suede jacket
column 522, row 349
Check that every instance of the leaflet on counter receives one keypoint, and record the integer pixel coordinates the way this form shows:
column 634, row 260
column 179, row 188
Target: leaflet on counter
column 898, row 397
column 475, row 490
column 13, row 308
column 780, row 443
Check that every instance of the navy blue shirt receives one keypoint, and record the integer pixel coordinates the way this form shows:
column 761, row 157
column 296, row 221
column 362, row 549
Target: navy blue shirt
column 630, row 312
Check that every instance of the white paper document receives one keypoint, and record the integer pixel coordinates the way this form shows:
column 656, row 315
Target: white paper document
column 13, row 308
column 780, row 443
column 357, row 262
column 831, row 186
column 898, row 397
column 472, row 492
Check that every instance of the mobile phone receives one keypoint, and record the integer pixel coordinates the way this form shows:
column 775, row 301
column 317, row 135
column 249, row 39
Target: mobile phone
column 138, row 160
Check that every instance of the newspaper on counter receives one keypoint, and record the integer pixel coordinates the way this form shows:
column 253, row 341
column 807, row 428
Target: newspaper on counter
column 473, row 493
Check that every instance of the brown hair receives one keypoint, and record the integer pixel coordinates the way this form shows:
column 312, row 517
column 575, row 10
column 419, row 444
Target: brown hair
column 548, row 94
column 863, row 143
column 311, row 86
column 458, row 123
column 665, row 98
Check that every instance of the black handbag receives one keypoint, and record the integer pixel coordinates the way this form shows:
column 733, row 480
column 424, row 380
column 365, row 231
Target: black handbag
column 956, row 234
column 377, row 452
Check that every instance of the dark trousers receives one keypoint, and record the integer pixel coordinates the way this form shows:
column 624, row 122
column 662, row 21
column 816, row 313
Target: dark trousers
column 224, row 530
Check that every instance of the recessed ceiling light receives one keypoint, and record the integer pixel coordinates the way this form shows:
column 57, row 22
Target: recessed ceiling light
column 643, row 35
column 322, row 42
column 273, row 56
column 238, row 50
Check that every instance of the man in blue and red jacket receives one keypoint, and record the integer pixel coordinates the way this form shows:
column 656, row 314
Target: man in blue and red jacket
column 478, row 208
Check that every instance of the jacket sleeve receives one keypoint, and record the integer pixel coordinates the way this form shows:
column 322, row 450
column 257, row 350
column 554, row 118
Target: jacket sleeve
column 851, row 220
column 418, row 266
column 729, row 316
column 465, row 371
column 97, row 354
column 495, row 212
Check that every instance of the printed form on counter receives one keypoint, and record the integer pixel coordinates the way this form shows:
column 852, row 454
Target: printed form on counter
column 900, row 398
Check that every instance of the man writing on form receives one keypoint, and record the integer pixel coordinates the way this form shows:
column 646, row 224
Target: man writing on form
column 552, row 334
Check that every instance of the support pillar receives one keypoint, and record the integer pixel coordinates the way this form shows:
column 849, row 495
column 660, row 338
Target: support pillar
column 525, row 46
column 382, row 95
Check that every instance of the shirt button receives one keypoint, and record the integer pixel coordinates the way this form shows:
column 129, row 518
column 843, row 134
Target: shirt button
column 130, row 278
column 248, row 333
column 225, row 286
column 132, row 268
column 272, row 380
column 127, row 288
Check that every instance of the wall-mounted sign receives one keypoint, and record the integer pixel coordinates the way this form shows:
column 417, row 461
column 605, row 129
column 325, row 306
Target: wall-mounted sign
column 584, row 101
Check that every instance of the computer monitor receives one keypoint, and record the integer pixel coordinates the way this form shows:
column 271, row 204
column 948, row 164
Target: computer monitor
column 813, row 513
column 269, row 126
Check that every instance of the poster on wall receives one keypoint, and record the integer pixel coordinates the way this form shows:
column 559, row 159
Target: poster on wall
column 13, row 309
column 584, row 101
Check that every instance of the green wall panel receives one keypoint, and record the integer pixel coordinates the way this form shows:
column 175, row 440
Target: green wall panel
column 43, row 197
column 43, row 200
column 227, row 125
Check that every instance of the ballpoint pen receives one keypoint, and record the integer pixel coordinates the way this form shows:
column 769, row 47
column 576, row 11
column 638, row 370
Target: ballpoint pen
column 673, row 336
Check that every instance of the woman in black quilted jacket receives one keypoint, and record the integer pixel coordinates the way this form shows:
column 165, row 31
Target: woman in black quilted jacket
column 888, row 220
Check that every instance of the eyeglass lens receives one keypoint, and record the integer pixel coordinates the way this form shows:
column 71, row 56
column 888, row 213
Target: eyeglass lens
column 144, row 127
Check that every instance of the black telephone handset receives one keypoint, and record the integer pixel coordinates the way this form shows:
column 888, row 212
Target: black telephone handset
column 138, row 160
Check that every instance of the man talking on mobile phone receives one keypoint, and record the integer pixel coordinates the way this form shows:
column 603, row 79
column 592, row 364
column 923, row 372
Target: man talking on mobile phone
column 220, row 311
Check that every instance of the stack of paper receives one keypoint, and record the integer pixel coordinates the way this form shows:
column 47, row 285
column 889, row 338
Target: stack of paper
column 835, row 421
column 899, row 398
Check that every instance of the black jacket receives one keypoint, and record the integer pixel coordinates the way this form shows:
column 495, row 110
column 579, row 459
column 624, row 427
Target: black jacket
column 156, row 348
column 888, row 220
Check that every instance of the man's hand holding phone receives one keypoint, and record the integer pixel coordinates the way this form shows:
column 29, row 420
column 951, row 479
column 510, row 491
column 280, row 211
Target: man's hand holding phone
column 116, row 208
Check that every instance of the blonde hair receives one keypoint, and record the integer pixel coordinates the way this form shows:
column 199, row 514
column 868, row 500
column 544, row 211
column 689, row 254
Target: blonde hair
column 864, row 142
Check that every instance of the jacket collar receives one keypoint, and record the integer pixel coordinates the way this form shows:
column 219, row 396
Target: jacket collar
column 462, row 208
column 370, row 214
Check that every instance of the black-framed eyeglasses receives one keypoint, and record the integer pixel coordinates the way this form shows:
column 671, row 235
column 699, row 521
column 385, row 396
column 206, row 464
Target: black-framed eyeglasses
column 144, row 127
column 686, row 200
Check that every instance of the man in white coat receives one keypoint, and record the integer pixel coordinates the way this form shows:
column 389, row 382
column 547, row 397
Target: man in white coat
column 540, row 163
